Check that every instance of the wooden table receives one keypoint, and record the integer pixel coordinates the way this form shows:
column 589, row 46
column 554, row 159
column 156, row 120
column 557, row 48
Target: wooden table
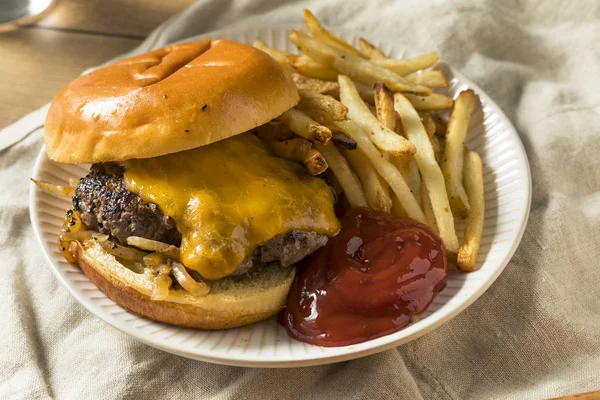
column 38, row 60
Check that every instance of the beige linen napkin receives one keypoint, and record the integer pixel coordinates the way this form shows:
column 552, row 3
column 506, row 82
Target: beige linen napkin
column 534, row 334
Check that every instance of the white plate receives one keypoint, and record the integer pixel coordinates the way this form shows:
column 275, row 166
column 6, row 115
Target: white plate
column 266, row 344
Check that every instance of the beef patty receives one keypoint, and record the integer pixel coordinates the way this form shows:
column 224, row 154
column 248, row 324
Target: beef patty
column 106, row 205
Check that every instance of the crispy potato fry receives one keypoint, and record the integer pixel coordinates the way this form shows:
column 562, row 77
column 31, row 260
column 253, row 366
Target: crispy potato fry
column 316, row 101
column 427, row 123
column 437, row 148
column 313, row 85
column 342, row 141
column 384, row 138
column 293, row 149
column 56, row 189
column 440, row 125
column 414, row 180
column 473, row 180
column 384, row 105
column 452, row 160
column 358, row 68
column 322, row 118
column 366, row 93
column 314, row 162
column 281, row 56
column 348, row 181
column 428, row 208
column 376, row 192
column 385, row 169
column 274, row 131
column 305, row 126
column 432, row 102
column 370, row 50
column 431, row 79
column 306, row 66
column 430, row 171
column 409, row 65
column 323, row 35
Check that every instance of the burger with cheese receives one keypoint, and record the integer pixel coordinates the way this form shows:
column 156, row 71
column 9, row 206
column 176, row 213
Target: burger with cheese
column 185, row 217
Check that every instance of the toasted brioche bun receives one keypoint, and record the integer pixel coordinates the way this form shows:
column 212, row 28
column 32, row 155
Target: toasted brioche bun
column 172, row 99
column 232, row 302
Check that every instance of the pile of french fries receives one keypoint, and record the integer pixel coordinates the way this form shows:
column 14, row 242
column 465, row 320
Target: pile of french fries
column 374, row 122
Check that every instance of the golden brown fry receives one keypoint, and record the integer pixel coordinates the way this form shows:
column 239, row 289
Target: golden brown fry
column 428, row 208
column 316, row 101
column 437, row 148
column 274, row 131
column 342, row 171
column 322, row 118
column 384, row 138
column 473, row 180
column 281, row 56
column 370, row 50
column 376, row 192
column 319, row 32
column 431, row 79
column 357, row 68
column 306, row 66
column 305, row 126
column 409, row 65
column 56, row 189
column 430, row 171
column 313, row 85
column 365, row 92
column 427, row 123
column 342, row 141
column 440, row 125
column 314, row 162
column 384, row 105
column 385, row 169
column 452, row 160
column 293, row 149
column 414, row 179
column 431, row 102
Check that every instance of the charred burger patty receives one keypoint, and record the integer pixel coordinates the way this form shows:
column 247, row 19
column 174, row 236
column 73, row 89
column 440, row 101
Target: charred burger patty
column 106, row 205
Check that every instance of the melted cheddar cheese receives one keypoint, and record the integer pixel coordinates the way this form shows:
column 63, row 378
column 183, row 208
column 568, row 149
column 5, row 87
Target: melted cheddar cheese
column 230, row 197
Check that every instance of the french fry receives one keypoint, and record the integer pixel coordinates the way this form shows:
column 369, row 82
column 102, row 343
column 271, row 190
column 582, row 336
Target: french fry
column 342, row 141
column 322, row 118
column 293, row 149
column 431, row 173
column 323, row 35
column 397, row 208
column 365, row 92
column 428, row 123
column 348, row 181
column 357, row 68
column 306, row 66
column 316, row 101
column 473, row 181
column 432, row 102
column 281, row 56
column 384, row 138
column 452, row 159
column 440, row 125
column 385, row 169
column 431, row 79
column 409, row 65
column 428, row 208
column 384, row 105
column 370, row 50
column 313, row 85
column 314, row 162
column 414, row 180
column 305, row 126
column 274, row 131
column 377, row 193
column 437, row 148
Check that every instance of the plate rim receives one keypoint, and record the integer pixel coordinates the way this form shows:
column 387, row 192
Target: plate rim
column 371, row 347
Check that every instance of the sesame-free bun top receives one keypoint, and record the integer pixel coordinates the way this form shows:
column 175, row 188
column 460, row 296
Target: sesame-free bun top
column 168, row 100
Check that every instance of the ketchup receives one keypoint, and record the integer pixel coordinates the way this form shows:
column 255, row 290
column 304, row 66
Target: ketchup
column 367, row 282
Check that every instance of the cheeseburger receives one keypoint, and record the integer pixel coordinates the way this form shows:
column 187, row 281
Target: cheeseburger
column 186, row 217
